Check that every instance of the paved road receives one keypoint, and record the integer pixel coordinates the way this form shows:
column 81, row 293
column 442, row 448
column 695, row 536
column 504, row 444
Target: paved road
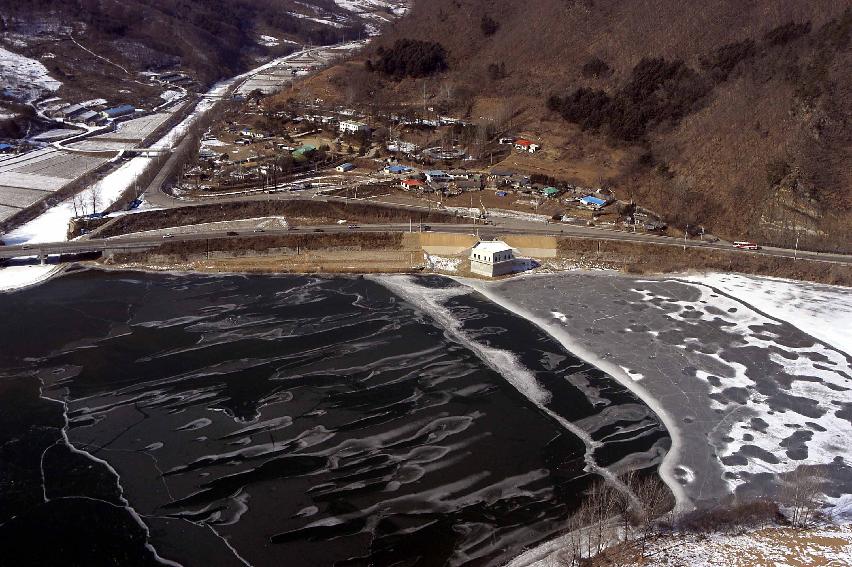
column 499, row 225
column 141, row 241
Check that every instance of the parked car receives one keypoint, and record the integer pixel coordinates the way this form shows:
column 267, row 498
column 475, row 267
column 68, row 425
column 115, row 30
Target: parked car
column 170, row 235
column 318, row 230
column 259, row 230
column 352, row 226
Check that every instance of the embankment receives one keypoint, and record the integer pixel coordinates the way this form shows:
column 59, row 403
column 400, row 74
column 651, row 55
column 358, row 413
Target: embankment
column 298, row 253
column 648, row 258
column 316, row 212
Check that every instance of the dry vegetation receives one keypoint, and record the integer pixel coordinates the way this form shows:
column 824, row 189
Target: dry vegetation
column 642, row 258
column 722, row 114
column 631, row 523
column 317, row 212
column 253, row 244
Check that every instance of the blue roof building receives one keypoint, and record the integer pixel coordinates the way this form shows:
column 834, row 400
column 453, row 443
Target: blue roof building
column 592, row 201
column 397, row 169
column 119, row 111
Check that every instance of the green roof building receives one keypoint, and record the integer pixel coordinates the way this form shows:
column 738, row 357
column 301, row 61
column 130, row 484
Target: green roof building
column 302, row 153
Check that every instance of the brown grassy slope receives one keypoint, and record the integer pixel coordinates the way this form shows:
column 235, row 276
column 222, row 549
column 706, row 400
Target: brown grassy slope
column 317, row 211
column 787, row 104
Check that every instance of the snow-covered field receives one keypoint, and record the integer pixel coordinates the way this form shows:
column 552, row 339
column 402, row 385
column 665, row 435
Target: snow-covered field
column 822, row 311
column 23, row 78
column 52, row 226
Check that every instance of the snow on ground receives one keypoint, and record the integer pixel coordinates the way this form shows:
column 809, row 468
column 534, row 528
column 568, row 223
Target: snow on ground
column 362, row 6
column 24, row 78
column 171, row 95
column 822, row 311
column 442, row 264
column 52, row 226
column 268, row 41
column 317, row 20
column 17, row 277
column 780, row 547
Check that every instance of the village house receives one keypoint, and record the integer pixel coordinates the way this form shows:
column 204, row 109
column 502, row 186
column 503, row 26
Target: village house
column 69, row 112
column 411, row 184
column 119, row 111
column 462, row 184
column 403, row 147
column 343, row 168
column 526, row 146
column 91, row 118
column 397, row 169
column 353, row 127
column 593, row 203
column 437, row 176
column 492, row 258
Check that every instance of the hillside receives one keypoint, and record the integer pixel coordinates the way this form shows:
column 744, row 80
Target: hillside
column 90, row 45
column 731, row 116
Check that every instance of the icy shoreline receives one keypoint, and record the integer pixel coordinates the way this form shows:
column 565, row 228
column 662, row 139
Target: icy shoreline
column 666, row 468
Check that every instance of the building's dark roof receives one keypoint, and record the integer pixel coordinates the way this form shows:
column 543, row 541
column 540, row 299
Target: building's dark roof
column 119, row 110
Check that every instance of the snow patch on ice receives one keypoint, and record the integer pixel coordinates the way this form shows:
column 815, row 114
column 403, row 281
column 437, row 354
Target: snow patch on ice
column 822, row 311
column 822, row 389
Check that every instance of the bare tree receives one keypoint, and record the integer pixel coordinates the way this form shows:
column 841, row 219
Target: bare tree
column 77, row 203
column 598, row 513
column 801, row 494
column 654, row 502
column 95, row 197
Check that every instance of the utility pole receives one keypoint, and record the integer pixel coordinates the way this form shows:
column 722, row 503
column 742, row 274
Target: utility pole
column 685, row 232
column 796, row 253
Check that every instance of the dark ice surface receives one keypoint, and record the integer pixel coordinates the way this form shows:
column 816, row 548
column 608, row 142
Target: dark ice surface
column 289, row 420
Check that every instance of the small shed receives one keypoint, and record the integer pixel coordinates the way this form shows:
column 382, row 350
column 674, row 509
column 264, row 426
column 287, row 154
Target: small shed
column 343, row 168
